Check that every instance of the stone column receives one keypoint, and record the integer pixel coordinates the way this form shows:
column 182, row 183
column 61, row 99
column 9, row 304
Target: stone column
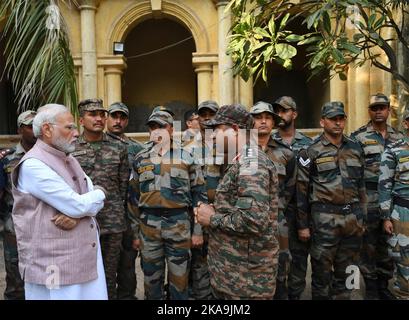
column 226, row 94
column 88, row 49
column 203, row 64
column 113, row 76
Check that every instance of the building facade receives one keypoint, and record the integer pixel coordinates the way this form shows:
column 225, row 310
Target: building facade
column 175, row 54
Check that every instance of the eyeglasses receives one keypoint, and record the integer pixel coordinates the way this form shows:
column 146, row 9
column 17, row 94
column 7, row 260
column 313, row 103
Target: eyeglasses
column 70, row 127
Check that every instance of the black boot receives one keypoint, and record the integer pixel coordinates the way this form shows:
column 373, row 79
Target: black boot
column 281, row 291
column 383, row 291
column 371, row 289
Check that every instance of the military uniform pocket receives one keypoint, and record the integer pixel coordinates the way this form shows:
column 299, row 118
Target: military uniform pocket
column 179, row 179
column 281, row 170
column 147, row 181
column 244, row 203
column 354, row 168
column 327, row 171
column 403, row 172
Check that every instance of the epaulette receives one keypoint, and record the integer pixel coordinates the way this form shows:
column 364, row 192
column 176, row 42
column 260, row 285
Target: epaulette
column 113, row 136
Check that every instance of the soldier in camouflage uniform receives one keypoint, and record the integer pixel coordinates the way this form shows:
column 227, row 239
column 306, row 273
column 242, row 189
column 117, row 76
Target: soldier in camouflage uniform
column 105, row 160
column 394, row 205
column 331, row 199
column 199, row 277
column 118, row 117
column 166, row 182
column 242, row 224
column 286, row 135
column 14, row 284
column 284, row 161
column 376, row 266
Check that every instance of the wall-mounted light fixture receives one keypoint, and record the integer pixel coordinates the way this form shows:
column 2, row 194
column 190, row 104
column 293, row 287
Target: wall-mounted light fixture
column 118, row 48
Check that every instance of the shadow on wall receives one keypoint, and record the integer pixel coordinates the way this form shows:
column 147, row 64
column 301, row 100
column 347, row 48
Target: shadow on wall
column 140, row 113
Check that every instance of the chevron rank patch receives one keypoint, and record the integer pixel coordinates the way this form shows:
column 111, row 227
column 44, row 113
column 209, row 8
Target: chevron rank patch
column 304, row 162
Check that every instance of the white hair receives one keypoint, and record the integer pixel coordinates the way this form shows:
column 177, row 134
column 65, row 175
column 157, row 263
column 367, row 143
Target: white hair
column 47, row 114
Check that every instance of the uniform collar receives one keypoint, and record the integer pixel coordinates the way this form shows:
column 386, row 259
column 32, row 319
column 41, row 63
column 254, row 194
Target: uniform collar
column 19, row 149
column 370, row 128
column 326, row 142
column 81, row 138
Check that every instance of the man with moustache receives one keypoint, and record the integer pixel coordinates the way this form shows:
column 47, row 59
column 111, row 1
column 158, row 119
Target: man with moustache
column 105, row 160
column 14, row 284
column 376, row 266
column 118, row 118
column 54, row 208
column 265, row 119
column 287, row 135
column 331, row 200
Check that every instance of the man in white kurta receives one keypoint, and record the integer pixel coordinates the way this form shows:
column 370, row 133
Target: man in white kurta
column 68, row 208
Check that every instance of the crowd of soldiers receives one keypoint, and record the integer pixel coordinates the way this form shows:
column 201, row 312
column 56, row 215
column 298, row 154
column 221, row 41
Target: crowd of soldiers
column 210, row 226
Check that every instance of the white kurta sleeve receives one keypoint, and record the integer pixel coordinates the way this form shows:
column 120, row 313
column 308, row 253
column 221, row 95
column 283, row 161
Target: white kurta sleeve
column 42, row 182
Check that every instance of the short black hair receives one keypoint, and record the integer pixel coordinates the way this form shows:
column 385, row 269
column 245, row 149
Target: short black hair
column 188, row 114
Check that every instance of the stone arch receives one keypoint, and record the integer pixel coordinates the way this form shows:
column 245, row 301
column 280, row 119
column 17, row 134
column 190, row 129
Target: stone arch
column 175, row 11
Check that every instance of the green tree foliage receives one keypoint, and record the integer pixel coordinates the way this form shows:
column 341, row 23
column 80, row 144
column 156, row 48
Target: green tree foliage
column 341, row 34
column 38, row 58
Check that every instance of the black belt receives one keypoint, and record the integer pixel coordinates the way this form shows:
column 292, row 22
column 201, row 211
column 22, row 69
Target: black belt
column 164, row 211
column 373, row 186
column 335, row 208
column 401, row 202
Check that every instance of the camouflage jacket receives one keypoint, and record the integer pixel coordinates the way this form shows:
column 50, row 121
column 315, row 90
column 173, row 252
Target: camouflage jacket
column 211, row 165
column 243, row 243
column 373, row 144
column 106, row 163
column 394, row 177
column 327, row 174
column 300, row 141
column 173, row 180
column 285, row 162
column 9, row 162
column 134, row 147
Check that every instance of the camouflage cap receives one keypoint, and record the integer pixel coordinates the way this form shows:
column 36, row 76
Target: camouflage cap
column 163, row 108
column 118, row 107
column 231, row 114
column 26, row 118
column 286, row 102
column 261, row 107
column 378, row 98
column 333, row 109
column 91, row 105
column 208, row 104
column 160, row 117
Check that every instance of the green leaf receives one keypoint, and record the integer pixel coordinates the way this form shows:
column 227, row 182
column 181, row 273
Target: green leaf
column 309, row 40
column 285, row 51
column 288, row 64
column 352, row 48
column 284, row 21
column 326, row 22
column 294, row 38
column 337, row 55
column 262, row 32
column 272, row 25
column 342, row 76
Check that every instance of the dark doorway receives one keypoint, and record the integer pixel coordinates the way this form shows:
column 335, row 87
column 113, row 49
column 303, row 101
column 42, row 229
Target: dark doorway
column 162, row 77
column 309, row 95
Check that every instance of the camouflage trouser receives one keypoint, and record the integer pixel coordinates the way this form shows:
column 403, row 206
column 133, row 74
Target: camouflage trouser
column 399, row 251
column 165, row 237
column 126, row 275
column 375, row 261
column 199, row 277
column 336, row 244
column 299, row 260
column 14, row 285
column 110, row 247
column 284, row 259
